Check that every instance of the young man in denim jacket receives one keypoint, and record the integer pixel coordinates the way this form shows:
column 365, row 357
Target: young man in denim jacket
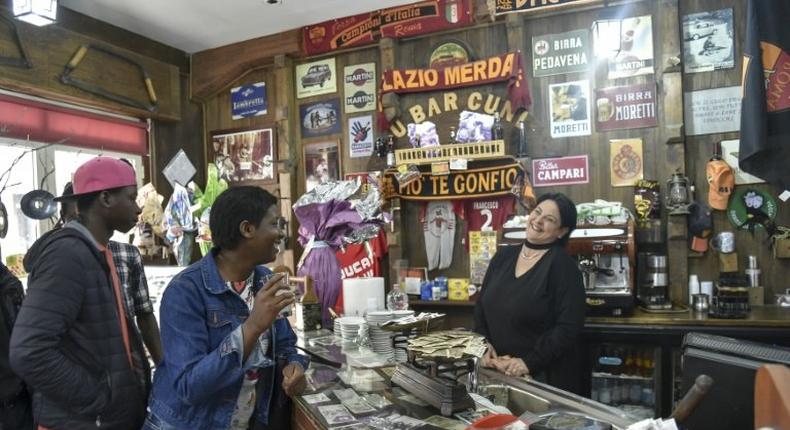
column 221, row 333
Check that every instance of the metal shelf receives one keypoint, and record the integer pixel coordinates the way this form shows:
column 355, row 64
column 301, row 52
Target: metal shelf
column 627, row 377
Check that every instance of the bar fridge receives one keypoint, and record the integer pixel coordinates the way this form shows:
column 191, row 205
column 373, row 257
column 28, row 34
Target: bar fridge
column 627, row 376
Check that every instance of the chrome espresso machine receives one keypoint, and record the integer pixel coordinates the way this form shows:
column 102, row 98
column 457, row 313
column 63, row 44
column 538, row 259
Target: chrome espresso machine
column 607, row 259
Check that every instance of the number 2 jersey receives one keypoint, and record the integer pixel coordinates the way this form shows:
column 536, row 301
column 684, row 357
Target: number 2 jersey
column 485, row 214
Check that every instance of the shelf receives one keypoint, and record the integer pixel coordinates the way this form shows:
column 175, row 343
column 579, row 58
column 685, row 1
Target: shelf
column 458, row 303
column 629, row 377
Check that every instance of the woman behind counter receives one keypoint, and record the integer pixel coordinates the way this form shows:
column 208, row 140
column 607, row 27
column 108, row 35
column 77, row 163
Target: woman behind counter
column 532, row 303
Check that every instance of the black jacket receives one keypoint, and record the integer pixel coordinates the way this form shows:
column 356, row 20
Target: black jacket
column 11, row 295
column 67, row 343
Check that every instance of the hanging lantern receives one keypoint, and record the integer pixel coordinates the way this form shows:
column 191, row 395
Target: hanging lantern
column 36, row 12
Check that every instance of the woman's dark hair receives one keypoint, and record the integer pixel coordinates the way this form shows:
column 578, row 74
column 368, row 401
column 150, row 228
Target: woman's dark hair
column 567, row 213
column 234, row 205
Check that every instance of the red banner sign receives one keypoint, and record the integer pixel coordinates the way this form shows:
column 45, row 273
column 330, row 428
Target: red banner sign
column 402, row 21
column 560, row 171
column 507, row 67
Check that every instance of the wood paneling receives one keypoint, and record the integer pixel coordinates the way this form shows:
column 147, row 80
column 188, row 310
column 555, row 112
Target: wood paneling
column 50, row 49
column 213, row 70
column 775, row 272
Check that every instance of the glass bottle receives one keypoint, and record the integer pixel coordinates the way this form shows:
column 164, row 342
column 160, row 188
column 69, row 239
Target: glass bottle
column 390, row 152
column 397, row 300
column 452, row 139
column 522, row 139
column 497, row 133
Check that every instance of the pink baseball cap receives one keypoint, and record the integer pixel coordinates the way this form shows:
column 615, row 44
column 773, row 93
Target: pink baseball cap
column 99, row 174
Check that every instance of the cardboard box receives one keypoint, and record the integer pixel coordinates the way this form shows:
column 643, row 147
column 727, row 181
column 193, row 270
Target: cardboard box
column 728, row 262
column 782, row 248
column 756, row 296
column 458, row 289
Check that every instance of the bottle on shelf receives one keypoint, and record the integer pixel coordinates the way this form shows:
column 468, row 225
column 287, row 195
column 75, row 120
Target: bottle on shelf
column 452, row 140
column 497, row 133
column 391, row 152
column 629, row 363
column 522, row 139
column 397, row 300
column 647, row 364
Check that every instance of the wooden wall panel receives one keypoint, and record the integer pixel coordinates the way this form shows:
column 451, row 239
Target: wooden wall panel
column 700, row 148
column 50, row 49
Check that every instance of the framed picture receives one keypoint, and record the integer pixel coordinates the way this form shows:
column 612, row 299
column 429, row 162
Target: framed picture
column 245, row 155
column 321, row 162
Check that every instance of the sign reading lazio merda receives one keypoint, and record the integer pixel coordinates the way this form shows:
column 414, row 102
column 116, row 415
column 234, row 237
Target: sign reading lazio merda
column 506, row 67
column 458, row 184
column 402, row 21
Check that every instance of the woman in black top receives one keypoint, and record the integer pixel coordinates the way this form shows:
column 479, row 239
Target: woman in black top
column 531, row 307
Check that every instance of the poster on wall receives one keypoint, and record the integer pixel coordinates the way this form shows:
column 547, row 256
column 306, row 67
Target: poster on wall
column 321, row 163
column 555, row 54
column 626, row 162
column 717, row 110
column 244, row 155
column 360, row 136
column 620, row 108
column 316, row 78
column 570, row 109
column 359, row 87
column 729, row 152
column 248, row 100
column 548, row 172
column 626, row 44
column 708, row 41
column 320, row 119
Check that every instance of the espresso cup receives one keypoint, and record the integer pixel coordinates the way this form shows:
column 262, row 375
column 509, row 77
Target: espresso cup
column 724, row 242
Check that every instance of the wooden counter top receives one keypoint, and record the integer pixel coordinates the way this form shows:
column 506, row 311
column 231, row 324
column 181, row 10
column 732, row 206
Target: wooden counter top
column 760, row 316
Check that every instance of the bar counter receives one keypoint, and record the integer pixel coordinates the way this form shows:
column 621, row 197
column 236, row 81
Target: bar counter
column 526, row 398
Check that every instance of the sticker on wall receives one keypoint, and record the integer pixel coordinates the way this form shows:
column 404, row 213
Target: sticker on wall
column 316, row 78
column 708, row 41
column 626, row 44
column 320, row 119
column 554, row 54
column 360, row 136
column 626, row 162
column 619, row 108
column 359, row 87
column 712, row 111
column 570, row 109
column 751, row 208
column 248, row 100
column 729, row 152
column 548, row 172
column 449, row 54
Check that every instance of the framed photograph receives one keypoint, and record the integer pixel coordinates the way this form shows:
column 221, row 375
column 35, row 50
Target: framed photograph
column 321, row 163
column 245, row 155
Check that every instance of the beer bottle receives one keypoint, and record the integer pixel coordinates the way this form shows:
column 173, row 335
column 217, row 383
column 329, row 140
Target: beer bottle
column 497, row 133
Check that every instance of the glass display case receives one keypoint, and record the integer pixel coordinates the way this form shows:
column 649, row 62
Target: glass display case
column 626, row 376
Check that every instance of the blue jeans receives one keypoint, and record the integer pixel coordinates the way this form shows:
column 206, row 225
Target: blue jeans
column 152, row 422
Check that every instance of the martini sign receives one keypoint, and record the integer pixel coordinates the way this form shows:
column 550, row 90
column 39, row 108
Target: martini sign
column 359, row 86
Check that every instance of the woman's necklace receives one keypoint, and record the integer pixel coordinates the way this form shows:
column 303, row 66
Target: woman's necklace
column 534, row 256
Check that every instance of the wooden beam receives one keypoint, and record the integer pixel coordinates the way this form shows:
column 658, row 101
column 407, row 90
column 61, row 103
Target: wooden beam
column 214, row 69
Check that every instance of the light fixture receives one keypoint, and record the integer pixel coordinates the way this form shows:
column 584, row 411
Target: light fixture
column 36, row 12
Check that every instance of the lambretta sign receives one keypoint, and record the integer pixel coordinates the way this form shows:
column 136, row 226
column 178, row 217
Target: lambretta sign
column 560, row 171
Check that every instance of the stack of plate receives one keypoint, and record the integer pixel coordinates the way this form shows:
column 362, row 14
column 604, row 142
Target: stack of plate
column 352, row 328
column 380, row 340
column 401, row 340
column 336, row 328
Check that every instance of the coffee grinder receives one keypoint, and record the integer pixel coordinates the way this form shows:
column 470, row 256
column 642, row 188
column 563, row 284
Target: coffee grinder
column 653, row 281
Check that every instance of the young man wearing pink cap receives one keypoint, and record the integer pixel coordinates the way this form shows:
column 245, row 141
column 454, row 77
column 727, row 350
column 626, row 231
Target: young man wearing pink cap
column 72, row 342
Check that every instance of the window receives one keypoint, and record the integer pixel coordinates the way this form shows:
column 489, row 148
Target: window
column 49, row 167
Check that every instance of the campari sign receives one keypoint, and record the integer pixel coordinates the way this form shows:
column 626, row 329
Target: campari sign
column 547, row 172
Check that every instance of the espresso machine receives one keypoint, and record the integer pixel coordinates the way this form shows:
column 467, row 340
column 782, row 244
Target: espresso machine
column 607, row 258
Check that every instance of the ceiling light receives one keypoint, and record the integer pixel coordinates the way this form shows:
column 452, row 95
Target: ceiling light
column 36, row 12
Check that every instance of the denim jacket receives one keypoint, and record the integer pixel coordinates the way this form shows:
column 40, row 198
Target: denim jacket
column 198, row 383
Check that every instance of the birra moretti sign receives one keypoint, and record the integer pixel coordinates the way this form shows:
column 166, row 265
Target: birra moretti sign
column 560, row 171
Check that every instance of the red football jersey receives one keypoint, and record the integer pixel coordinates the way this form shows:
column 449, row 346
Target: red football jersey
column 487, row 214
